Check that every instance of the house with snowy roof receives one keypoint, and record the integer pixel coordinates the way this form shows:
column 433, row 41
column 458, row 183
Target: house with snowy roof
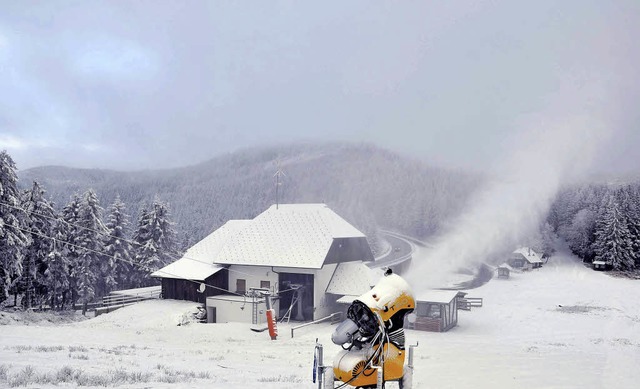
column 305, row 255
column 525, row 258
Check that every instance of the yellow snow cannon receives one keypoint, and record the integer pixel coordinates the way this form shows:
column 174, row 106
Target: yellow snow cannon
column 372, row 336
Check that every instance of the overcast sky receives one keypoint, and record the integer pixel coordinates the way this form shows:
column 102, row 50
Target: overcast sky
column 154, row 84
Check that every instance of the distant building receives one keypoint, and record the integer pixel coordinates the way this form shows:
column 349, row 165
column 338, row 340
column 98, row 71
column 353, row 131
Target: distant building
column 525, row 258
column 504, row 270
column 600, row 265
column 437, row 310
column 304, row 254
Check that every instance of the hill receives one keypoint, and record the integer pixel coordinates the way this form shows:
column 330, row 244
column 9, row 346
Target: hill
column 369, row 186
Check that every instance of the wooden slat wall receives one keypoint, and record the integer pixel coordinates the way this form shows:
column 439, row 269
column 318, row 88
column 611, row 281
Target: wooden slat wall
column 427, row 324
column 188, row 290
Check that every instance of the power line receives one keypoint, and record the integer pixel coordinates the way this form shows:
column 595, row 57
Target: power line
column 105, row 233
column 119, row 259
column 59, row 219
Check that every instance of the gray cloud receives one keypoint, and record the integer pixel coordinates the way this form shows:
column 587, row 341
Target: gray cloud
column 159, row 84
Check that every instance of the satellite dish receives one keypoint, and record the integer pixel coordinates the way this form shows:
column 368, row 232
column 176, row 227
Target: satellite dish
column 202, row 288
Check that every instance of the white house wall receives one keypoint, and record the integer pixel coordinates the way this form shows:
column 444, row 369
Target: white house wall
column 323, row 304
column 228, row 310
column 253, row 275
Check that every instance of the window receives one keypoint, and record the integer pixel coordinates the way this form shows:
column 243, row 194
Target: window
column 265, row 284
column 241, row 285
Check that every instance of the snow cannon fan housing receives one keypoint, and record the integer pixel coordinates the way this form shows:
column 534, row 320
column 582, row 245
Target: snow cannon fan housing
column 390, row 298
column 374, row 330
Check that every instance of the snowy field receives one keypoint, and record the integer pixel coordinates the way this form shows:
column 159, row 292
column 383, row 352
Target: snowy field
column 562, row 326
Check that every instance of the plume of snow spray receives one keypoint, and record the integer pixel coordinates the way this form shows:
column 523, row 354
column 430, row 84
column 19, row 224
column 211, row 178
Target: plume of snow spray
column 508, row 208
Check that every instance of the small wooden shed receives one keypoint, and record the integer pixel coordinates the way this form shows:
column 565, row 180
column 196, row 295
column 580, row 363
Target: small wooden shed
column 436, row 310
column 504, row 270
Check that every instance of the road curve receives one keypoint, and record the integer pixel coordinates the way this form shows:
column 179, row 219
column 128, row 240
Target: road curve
column 402, row 249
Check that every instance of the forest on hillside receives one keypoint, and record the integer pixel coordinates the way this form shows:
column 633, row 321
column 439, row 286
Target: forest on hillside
column 370, row 187
column 72, row 250
column 79, row 254
column 600, row 222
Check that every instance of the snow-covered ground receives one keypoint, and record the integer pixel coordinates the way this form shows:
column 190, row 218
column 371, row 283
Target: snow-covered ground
column 562, row 326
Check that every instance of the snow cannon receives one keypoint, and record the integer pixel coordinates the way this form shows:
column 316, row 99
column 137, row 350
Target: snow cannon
column 372, row 336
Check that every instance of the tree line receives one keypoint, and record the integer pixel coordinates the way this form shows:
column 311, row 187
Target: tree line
column 77, row 255
column 600, row 223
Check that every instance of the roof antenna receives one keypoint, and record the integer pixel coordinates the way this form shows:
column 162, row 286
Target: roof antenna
column 278, row 174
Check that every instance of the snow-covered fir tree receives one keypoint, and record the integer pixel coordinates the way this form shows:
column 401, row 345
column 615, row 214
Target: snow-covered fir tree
column 41, row 217
column 70, row 231
column 154, row 241
column 13, row 238
column 139, row 249
column 56, row 277
column 116, row 266
column 90, row 237
column 613, row 243
column 631, row 208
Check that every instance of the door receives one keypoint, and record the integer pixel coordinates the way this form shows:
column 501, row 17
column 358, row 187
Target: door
column 292, row 286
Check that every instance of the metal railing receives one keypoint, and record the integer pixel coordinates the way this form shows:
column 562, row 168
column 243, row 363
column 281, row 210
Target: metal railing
column 130, row 298
column 466, row 303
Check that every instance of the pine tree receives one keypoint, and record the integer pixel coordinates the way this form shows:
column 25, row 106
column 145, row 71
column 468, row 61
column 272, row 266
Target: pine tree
column 13, row 239
column 41, row 219
column 632, row 210
column 90, row 238
column 154, row 241
column 613, row 239
column 580, row 233
column 56, row 277
column 116, row 265
column 70, row 232
column 139, row 249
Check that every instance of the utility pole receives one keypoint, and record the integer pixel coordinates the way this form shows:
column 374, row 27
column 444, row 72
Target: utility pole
column 279, row 173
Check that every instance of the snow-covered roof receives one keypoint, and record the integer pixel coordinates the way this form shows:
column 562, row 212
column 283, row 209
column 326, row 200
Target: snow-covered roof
column 198, row 262
column 506, row 266
column 599, row 262
column 351, row 278
column 530, row 255
column 209, row 247
column 187, row 269
column 437, row 296
column 288, row 235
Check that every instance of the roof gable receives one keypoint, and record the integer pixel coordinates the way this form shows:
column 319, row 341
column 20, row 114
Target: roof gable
column 197, row 263
column 287, row 235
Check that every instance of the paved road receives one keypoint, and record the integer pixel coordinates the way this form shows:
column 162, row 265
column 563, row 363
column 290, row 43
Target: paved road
column 401, row 251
